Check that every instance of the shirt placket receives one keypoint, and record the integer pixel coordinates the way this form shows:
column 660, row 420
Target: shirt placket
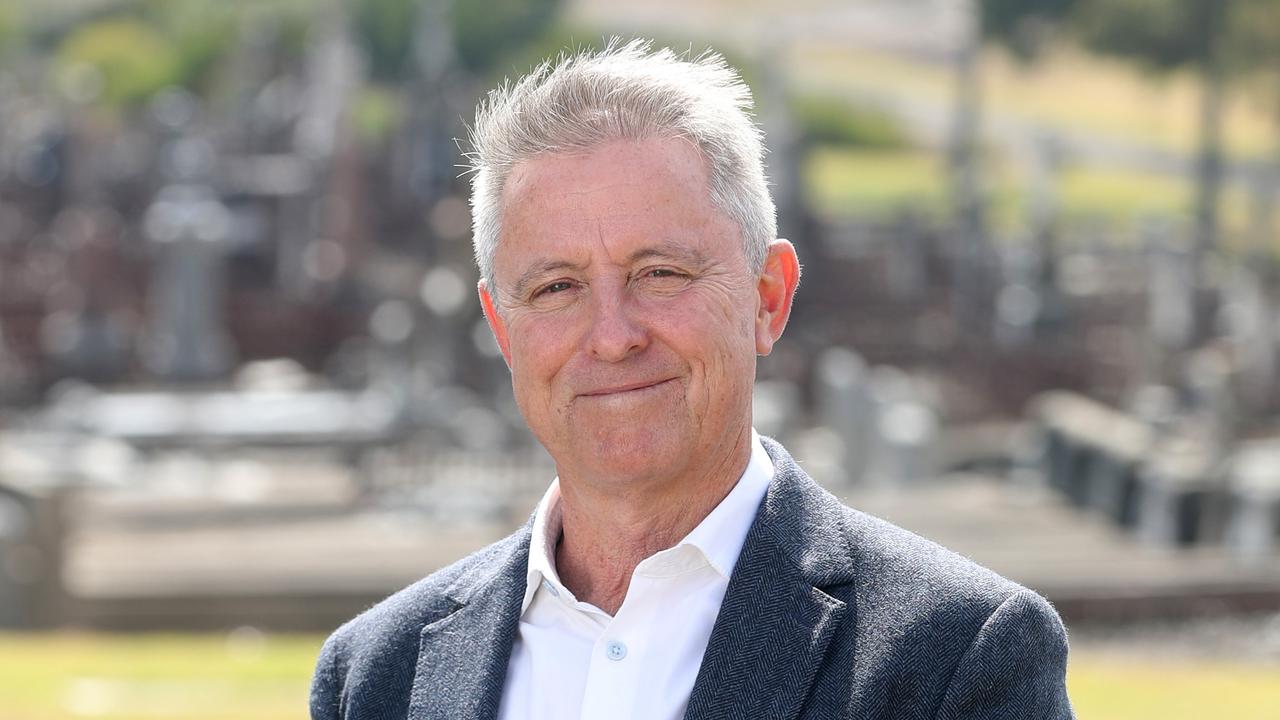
column 616, row 670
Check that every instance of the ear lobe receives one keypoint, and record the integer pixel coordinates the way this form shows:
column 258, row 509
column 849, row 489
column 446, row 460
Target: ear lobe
column 495, row 321
column 776, row 288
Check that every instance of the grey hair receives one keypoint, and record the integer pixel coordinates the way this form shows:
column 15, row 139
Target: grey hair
column 625, row 91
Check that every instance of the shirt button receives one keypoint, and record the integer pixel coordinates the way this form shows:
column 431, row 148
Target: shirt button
column 615, row 650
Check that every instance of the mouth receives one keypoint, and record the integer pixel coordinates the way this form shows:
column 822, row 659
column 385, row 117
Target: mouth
column 630, row 387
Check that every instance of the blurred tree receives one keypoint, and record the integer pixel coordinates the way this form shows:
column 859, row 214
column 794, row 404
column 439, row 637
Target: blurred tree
column 1027, row 28
column 1156, row 32
column 488, row 33
column 142, row 46
column 10, row 30
column 829, row 121
column 1024, row 26
column 1223, row 41
column 1254, row 29
column 203, row 35
column 384, row 29
column 1166, row 35
column 134, row 59
column 1254, row 55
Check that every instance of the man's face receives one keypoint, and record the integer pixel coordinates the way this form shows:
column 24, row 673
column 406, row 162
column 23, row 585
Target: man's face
column 625, row 308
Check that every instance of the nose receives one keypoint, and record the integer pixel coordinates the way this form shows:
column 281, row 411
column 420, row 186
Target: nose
column 616, row 333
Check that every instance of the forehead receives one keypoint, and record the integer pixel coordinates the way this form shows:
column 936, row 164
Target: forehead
column 610, row 200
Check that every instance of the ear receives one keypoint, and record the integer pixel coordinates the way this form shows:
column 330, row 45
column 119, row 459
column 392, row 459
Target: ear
column 777, row 287
column 496, row 323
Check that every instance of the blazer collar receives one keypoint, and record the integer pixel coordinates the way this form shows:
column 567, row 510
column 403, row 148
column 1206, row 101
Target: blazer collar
column 783, row 604
column 462, row 657
column 780, row 612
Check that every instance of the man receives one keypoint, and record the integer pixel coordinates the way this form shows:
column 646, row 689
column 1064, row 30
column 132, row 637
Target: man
column 680, row 565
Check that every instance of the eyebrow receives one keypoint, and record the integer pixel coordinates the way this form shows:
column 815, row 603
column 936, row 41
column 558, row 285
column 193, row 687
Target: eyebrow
column 537, row 270
column 669, row 249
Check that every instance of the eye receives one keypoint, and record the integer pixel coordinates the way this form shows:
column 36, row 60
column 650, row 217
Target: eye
column 661, row 279
column 660, row 273
column 552, row 288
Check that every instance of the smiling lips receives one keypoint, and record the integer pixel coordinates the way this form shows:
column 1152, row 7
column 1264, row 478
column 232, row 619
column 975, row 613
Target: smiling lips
column 630, row 387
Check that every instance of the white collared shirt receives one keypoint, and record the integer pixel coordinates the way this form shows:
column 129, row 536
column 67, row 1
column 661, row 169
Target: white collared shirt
column 572, row 660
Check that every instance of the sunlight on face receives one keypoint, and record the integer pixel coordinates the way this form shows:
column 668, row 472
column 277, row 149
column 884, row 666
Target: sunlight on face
column 625, row 309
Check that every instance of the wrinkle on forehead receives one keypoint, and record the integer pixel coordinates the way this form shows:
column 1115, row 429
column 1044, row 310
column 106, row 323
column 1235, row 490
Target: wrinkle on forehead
column 594, row 190
column 518, row 177
column 577, row 201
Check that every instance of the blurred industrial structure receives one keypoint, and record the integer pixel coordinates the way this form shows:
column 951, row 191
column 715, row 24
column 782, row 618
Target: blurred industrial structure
column 242, row 378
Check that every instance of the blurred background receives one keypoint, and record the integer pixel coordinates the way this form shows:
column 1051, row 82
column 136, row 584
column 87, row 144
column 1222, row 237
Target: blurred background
column 246, row 391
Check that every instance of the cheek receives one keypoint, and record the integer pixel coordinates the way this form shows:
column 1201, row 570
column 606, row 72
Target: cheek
column 724, row 325
column 540, row 346
column 716, row 338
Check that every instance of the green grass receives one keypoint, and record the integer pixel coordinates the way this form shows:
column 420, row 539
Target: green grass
column 882, row 183
column 64, row 676
column 846, row 181
column 140, row 677
column 1126, row 688
column 1120, row 194
column 1067, row 89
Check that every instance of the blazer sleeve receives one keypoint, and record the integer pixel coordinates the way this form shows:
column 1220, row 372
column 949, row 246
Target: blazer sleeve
column 1015, row 668
column 326, row 686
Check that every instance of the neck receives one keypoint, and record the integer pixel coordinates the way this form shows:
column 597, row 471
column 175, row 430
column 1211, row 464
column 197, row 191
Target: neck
column 607, row 533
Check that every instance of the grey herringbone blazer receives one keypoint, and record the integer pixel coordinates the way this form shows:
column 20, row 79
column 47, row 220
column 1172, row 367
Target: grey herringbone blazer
column 830, row 613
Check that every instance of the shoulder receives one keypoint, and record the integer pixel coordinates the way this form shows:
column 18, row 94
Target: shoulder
column 915, row 605
column 886, row 564
column 901, row 577
column 378, row 649
column 956, row 637
column 970, row 643
column 934, row 594
column 408, row 610
column 897, row 565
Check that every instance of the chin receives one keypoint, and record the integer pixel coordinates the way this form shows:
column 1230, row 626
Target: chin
column 630, row 451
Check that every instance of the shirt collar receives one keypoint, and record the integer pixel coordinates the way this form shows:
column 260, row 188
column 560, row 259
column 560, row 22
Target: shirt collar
column 542, row 544
column 722, row 532
column 719, row 537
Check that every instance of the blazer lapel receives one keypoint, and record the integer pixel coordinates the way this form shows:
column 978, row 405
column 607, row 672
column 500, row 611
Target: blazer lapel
column 778, row 618
column 462, row 657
